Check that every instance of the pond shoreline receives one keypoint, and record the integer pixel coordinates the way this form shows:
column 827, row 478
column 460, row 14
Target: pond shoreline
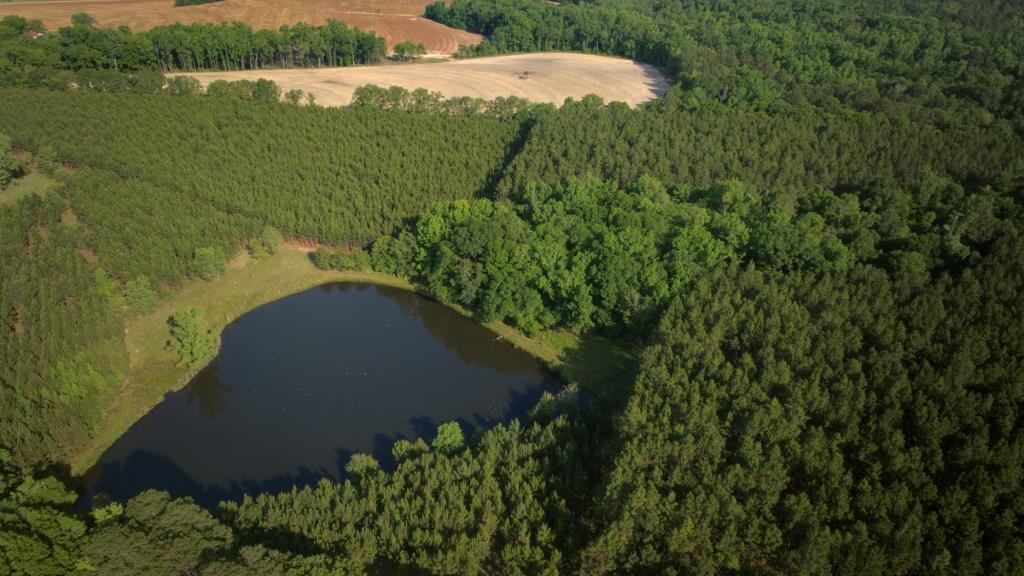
column 247, row 285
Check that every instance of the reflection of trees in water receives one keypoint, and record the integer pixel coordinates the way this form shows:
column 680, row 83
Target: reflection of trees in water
column 473, row 343
column 208, row 391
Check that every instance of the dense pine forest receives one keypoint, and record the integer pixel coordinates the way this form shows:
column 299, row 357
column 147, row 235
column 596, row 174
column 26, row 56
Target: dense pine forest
column 815, row 240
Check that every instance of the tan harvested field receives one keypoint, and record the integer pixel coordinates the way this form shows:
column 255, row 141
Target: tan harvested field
column 544, row 77
column 395, row 20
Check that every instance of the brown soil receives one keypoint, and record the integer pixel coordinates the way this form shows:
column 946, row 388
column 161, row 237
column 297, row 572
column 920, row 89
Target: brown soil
column 395, row 20
column 542, row 77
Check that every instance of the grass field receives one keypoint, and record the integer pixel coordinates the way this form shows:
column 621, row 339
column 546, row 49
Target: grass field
column 543, row 77
column 32, row 183
column 394, row 20
column 594, row 364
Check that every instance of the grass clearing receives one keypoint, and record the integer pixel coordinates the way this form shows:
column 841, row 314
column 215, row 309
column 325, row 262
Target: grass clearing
column 34, row 182
column 591, row 363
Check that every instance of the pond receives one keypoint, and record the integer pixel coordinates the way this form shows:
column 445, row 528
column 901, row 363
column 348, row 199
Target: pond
column 303, row 383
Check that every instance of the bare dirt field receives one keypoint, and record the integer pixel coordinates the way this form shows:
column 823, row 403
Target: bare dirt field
column 545, row 77
column 395, row 20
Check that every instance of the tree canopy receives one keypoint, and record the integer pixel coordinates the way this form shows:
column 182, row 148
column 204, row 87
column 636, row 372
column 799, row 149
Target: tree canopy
column 814, row 240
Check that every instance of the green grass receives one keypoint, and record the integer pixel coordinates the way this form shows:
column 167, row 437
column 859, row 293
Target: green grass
column 594, row 364
column 32, row 183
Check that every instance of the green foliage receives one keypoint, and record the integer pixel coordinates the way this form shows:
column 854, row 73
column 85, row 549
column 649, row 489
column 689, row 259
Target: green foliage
column 39, row 535
column 362, row 466
column 903, row 58
column 808, row 426
column 444, row 512
column 408, row 50
column 293, row 96
column 207, row 263
column 190, row 338
column 10, row 167
column 816, row 236
column 82, row 19
column 157, row 535
column 193, row 2
column 422, row 100
column 109, row 513
column 449, row 438
column 139, row 296
column 61, row 341
column 182, row 193
column 788, row 152
column 267, row 242
column 46, row 160
column 328, row 259
column 27, row 60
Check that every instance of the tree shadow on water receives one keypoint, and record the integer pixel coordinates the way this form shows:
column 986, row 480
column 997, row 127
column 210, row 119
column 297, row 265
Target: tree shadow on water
column 143, row 470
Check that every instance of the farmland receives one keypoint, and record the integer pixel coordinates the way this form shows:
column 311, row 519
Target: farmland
column 548, row 77
column 394, row 20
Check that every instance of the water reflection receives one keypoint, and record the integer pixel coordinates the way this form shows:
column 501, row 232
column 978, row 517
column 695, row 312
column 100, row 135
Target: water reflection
column 303, row 383
column 208, row 392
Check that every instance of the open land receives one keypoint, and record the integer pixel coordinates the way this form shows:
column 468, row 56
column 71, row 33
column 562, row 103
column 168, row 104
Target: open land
column 394, row 20
column 544, row 77
column 32, row 183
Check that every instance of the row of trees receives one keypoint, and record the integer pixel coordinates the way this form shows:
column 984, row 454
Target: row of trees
column 813, row 148
column 422, row 100
column 182, row 47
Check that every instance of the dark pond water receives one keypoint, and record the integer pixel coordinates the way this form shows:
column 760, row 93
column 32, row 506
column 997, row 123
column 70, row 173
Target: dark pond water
column 304, row 382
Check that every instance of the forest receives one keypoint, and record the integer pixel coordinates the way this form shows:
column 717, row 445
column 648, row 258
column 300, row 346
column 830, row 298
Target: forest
column 814, row 240
column 29, row 52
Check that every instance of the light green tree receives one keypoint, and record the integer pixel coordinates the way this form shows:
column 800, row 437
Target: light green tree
column 190, row 337
column 449, row 438
column 208, row 263
column 139, row 296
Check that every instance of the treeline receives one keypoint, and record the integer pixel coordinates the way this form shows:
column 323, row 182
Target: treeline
column 26, row 55
column 236, row 47
column 939, row 62
column 423, row 101
column 813, row 148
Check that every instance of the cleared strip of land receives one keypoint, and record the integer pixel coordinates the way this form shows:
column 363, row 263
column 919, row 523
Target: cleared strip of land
column 394, row 20
column 545, row 77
